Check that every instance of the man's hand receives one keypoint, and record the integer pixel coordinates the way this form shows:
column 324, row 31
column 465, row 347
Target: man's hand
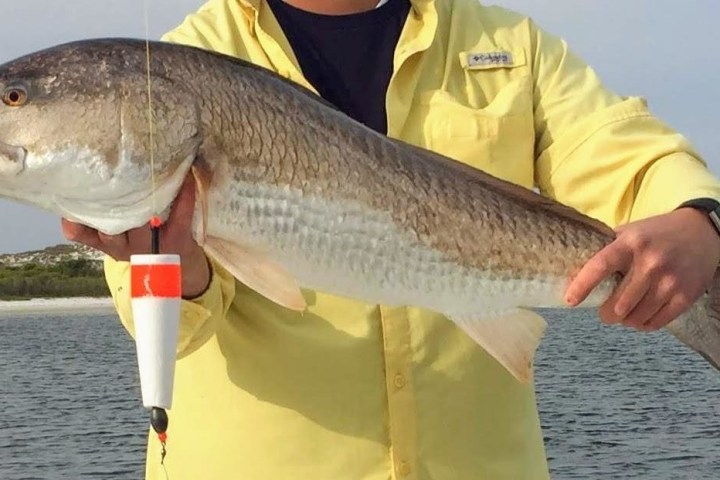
column 667, row 262
column 175, row 237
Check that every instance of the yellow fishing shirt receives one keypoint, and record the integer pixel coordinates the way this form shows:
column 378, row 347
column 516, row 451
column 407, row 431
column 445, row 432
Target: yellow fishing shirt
column 355, row 391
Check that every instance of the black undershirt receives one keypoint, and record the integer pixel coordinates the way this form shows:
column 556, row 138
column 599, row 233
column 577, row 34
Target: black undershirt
column 347, row 58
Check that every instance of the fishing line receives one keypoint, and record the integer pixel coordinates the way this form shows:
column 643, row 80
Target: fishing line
column 158, row 416
column 151, row 124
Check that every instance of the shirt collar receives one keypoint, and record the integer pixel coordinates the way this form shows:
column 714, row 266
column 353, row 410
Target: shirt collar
column 254, row 5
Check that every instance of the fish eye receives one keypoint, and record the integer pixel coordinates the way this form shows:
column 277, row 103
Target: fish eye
column 14, row 96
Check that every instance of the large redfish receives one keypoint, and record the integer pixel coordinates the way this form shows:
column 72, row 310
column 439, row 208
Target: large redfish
column 295, row 194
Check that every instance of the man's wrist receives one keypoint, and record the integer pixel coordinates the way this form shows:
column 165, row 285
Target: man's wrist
column 707, row 210
column 709, row 206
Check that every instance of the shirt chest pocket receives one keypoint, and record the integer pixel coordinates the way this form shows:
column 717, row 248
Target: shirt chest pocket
column 498, row 138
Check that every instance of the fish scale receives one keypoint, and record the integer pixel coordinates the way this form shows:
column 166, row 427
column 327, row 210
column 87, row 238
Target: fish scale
column 380, row 257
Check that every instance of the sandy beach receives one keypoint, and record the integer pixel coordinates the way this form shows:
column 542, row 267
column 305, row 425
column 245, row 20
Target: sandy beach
column 78, row 305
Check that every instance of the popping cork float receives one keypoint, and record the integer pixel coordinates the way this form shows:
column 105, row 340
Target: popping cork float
column 292, row 193
column 156, row 292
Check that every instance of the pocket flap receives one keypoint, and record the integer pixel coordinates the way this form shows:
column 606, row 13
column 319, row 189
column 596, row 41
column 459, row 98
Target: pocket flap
column 488, row 60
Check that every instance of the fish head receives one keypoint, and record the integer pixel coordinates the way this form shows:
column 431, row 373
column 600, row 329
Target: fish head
column 82, row 135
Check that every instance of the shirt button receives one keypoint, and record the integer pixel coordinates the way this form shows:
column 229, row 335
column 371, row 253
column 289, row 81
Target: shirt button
column 399, row 381
column 403, row 469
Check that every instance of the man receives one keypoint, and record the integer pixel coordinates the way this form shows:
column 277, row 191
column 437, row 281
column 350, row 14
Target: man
column 348, row 390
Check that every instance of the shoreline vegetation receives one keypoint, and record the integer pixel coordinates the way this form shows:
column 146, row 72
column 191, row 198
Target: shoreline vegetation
column 65, row 279
column 80, row 277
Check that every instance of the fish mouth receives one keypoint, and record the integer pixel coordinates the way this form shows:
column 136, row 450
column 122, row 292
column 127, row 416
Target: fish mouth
column 12, row 159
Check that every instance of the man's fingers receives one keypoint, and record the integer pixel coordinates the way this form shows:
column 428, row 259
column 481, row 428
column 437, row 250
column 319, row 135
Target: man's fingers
column 613, row 258
column 139, row 240
column 670, row 311
column 679, row 301
column 626, row 296
column 652, row 302
column 76, row 232
column 115, row 245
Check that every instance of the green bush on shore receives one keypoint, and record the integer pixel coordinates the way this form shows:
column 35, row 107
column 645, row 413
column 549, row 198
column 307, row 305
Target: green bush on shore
column 69, row 278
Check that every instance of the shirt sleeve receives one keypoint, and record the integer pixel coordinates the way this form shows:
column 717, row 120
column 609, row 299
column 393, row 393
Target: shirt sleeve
column 603, row 154
column 198, row 29
column 199, row 317
column 216, row 26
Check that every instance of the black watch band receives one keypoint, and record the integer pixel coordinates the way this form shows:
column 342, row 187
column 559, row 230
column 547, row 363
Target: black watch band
column 710, row 206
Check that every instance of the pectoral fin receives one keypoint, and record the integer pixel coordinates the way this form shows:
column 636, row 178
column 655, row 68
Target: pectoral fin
column 253, row 268
column 203, row 178
column 510, row 338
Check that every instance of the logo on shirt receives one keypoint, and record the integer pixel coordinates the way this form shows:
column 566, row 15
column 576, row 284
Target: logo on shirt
column 490, row 59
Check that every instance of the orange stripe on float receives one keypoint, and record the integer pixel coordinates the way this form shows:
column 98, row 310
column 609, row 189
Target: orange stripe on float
column 162, row 281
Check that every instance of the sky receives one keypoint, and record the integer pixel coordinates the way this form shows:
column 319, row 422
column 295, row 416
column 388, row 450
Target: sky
column 664, row 50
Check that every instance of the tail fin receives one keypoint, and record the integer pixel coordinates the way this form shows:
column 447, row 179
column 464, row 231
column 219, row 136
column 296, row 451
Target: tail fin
column 699, row 328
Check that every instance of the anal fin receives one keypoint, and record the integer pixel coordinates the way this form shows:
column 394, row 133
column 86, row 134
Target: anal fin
column 256, row 270
column 510, row 337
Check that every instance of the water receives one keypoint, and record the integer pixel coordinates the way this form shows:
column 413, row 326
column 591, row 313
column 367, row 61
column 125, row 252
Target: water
column 614, row 404
column 69, row 405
